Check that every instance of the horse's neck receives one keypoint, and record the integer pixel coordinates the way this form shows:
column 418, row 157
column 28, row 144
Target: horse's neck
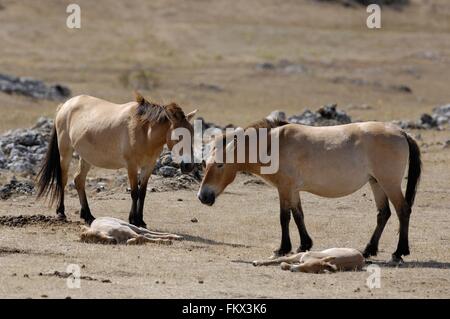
column 157, row 133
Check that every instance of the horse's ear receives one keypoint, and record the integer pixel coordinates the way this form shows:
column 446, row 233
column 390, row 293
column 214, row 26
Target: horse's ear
column 139, row 98
column 190, row 116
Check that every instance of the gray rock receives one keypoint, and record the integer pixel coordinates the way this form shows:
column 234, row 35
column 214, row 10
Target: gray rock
column 167, row 171
column 277, row 115
column 22, row 150
column 33, row 88
column 437, row 120
column 325, row 116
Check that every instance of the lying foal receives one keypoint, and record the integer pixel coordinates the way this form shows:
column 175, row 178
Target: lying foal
column 332, row 259
column 109, row 230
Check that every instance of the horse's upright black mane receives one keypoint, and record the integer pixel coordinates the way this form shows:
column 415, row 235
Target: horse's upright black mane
column 154, row 113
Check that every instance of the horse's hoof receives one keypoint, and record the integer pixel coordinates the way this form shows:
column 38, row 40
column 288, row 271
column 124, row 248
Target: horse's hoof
column 61, row 217
column 285, row 266
column 89, row 220
column 396, row 260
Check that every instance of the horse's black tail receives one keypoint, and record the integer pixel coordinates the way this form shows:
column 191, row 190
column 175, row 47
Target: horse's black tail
column 414, row 170
column 49, row 179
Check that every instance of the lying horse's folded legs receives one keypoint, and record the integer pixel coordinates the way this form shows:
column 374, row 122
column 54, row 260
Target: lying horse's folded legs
column 140, row 240
column 295, row 258
column 163, row 236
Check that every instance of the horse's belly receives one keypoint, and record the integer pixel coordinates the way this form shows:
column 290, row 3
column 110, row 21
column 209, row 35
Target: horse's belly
column 335, row 183
column 104, row 154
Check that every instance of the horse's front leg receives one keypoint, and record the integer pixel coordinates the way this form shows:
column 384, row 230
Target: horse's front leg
column 145, row 175
column 134, row 186
column 297, row 211
column 285, row 217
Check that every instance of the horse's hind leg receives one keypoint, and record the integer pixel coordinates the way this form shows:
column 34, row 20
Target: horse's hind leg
column 80, row 183
column 403, row 211
column 65, row 151
column 384, row 212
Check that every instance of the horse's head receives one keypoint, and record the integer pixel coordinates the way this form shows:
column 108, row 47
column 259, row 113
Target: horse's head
column 181, row 128
column 180, row 132
column 218, row 175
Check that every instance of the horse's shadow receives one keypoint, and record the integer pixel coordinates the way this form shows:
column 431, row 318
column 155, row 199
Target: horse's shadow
column 433, row 264
column 198, row 239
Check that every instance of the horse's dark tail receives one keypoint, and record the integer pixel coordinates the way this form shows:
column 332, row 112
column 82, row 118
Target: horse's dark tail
column 414, row 170
column 49, row 179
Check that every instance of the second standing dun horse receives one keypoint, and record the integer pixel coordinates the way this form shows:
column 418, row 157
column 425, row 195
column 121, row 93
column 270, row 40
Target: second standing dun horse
column 332, row 161
column 111, row 136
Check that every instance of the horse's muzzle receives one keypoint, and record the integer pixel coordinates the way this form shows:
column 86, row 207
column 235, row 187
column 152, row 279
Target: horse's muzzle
column 186, row 167
column 207, row 197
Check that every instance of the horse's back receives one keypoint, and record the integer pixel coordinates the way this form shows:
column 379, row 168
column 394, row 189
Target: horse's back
column 97, row 129
column 334, row 161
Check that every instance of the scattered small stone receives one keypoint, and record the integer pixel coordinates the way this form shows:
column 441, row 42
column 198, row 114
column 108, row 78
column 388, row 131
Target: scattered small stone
column 44, row 296
column 194, row 220
column 200, row 281
column 26, row 276
column 284, row 66
column 179, row 199
column 210, row 87
column 15, row 187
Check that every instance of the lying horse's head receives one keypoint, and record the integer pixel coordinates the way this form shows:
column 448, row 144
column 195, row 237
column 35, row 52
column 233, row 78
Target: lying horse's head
column 180, row 127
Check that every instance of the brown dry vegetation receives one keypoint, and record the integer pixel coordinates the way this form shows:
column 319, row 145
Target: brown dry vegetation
column 170, row 48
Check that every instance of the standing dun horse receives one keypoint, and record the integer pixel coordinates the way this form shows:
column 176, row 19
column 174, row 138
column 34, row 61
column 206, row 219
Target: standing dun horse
column 111, row 136
column 331, row 161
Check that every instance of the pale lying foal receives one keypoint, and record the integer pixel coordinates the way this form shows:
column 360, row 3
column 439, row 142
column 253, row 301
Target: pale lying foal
column 332, row 259
column 109, row 230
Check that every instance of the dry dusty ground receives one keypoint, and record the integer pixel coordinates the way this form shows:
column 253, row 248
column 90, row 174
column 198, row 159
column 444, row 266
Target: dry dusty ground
column 176, row 46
